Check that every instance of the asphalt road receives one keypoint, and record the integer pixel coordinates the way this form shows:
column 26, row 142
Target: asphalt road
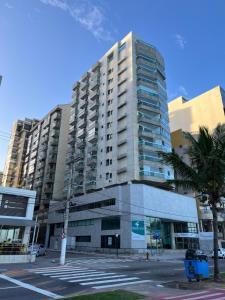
column 84, row 274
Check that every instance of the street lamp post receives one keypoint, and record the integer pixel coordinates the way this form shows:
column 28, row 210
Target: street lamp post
column 117, row 244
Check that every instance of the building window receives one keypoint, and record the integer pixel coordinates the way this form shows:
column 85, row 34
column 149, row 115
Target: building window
column 108, row 176
column 108, row 162
column 109, row 136
column 110, row 57
column 110, row 81
column 83, row 239
column 110, row 91
column 110, row 101
column 122, row 47
column 110, row 71
column 108, row 149
column 109, row 113
column 111, row 223
column 109, row 124
column 185, row 228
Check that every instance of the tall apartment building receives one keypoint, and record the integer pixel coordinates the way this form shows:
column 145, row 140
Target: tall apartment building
column 119, row 119
column 45, row 160
column 207, row 109
column 17, row 148
column 118, row 123
column 1, row 177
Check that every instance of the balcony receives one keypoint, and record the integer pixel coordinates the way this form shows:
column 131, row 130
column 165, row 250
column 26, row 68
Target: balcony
column 82, row 113
column 78, row 155
column 80, row 144
column 83, row 94
column 52, row 159
column 38, row 183
column 54, row 141
column 72, row 119
column 79, row 165
column 91, row 185
column 83, row 104
column 81, row 133
column 71, row 139
column 42, row 155
column 81, row 123
column 78, row 189
column 50, row 177
column 55, row 133
column 94, row 94
column 72, row 130
column 146, row 174
column 122, row 170
column 94, row 105
column 93, row 115
column 84, row 85
column 92, row 138
column 56, row 124
column 48, row 189
column 95, row 82
column 78, row 177
column 92, row 160
column 92, row 150
column 121, row 116
column 76, row 86
column 40, row 165
column 69, row 158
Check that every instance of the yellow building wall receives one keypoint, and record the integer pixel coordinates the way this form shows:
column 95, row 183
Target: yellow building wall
column 204, row 110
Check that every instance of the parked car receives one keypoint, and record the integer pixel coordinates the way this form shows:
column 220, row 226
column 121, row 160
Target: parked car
column 38, row 249
column 195, row 254
column 221, row 253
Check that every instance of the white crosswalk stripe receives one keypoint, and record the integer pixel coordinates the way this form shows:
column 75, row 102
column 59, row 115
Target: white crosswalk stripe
column 202, row 295
column 96, row 279
column 98, row 260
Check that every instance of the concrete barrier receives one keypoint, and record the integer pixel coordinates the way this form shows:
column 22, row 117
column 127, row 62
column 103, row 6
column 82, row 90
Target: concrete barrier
column 15, row 259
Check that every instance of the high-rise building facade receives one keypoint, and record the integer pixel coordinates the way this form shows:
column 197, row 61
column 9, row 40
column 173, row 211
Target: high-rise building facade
column 119, row 119
column 46, row 156
column 207, row 110
column 46, row 160
column 13, row 170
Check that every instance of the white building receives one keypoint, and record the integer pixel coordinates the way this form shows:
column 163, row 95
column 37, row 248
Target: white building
column 16, row 214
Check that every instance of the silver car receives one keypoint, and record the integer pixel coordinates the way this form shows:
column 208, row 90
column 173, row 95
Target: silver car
column 38, row 249
column 221, row 253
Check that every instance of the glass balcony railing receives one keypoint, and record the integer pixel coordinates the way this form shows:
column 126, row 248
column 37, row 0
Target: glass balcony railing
column 152, row 174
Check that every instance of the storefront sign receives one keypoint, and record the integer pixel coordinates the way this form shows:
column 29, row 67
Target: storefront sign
column 186, row 235
column 138, row 230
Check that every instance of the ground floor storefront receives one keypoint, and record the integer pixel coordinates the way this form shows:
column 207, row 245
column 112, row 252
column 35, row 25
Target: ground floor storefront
column 133, row 217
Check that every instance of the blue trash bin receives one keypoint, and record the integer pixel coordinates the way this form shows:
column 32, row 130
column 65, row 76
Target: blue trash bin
column 196, row 269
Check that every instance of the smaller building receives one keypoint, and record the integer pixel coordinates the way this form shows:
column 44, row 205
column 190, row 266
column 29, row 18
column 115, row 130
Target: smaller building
column 132, row 217
column 16, row 215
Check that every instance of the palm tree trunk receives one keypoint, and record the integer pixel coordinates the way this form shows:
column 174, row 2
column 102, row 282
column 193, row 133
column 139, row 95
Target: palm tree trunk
column 215, row 242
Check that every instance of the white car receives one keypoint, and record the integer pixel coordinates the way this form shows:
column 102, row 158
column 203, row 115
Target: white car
column 38, row 249
column 221, row 253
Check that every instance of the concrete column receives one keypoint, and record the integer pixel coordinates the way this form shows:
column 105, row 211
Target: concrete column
column 173, row 245
column 26, row 235
column 47, row 235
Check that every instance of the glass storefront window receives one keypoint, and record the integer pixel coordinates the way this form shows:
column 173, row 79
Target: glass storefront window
column 11, row 233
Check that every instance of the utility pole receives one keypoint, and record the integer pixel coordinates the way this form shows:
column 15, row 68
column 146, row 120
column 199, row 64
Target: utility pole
column 66, row 220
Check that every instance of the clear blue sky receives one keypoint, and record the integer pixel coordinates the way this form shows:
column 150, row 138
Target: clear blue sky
column 45, row 45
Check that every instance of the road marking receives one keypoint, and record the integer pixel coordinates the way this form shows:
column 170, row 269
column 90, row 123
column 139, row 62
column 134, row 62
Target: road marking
column 60, row 270
column 65, row 272
column 9, row 287
column 31, row 287
column 102, row 277
column 49, row 268
column 204, row 296
column 120, row 284
column 75, row 274
column 186, row 295
column 107, row 281
column 92, row 275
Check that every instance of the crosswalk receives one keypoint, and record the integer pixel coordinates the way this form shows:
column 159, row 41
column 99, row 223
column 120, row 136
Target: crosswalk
column 97, row 261
column 86, row 277
column 215, row 294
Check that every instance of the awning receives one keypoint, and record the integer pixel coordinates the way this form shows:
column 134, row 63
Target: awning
column 16, row 222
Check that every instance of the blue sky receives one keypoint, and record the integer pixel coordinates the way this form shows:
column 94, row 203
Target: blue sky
column 46, row 45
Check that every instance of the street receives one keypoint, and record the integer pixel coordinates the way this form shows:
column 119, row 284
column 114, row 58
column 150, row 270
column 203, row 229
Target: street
column 46, row 279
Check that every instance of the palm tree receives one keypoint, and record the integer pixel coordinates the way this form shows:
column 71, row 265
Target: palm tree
column 204, row 174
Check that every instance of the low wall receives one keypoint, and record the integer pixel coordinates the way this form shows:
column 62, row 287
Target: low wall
column 15, row 259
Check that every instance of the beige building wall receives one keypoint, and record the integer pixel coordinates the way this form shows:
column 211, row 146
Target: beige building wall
column 206, row 109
